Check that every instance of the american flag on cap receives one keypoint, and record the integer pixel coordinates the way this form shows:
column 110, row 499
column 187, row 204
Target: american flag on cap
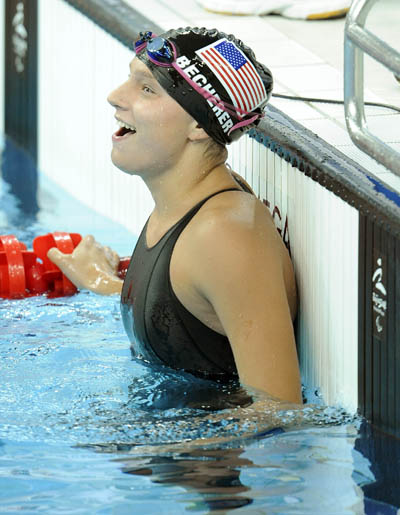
column 236, row 73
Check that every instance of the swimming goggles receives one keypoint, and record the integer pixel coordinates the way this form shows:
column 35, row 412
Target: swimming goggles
column 162, row 52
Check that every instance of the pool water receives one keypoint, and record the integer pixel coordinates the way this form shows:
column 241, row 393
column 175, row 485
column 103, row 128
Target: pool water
column 84, row 428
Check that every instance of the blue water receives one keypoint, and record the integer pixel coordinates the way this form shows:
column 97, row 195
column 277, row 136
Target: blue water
column 84, row 428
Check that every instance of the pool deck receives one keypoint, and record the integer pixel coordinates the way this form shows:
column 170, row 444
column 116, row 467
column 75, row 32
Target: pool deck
column 306, row 58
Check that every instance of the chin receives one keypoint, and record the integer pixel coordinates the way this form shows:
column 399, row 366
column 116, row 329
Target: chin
column 128, row 171
column 124, row 167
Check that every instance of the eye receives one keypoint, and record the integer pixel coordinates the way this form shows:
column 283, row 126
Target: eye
column 147, row 89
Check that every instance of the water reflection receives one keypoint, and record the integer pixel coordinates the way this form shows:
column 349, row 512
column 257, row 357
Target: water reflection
column 315, row 470
column 213, row 473
column 383, row 454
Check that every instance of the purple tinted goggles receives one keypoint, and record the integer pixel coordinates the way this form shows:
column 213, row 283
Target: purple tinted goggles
column 162, row 52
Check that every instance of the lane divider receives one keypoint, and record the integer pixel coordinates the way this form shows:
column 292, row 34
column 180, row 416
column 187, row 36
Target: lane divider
column 26, row 273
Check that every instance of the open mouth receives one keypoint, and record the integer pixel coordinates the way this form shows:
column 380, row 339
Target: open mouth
column 124, row 130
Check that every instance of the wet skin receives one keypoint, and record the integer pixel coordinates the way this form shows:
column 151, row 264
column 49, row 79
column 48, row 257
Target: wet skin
column 229, row 268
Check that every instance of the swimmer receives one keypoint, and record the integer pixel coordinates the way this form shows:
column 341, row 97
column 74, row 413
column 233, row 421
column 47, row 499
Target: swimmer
column 210, row 287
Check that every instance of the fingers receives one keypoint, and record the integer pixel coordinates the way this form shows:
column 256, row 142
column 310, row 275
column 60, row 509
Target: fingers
column 88, row 239
column 64, row 263
column 112, row 257
column 86, row 243
column 87, row 251
column 90, row 266
column 55, row 256
column 115, row 259
column 89, row 244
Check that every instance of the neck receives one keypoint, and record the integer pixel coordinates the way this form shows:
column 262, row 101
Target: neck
column 177, row 189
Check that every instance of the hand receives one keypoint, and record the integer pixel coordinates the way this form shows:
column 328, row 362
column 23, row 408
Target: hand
column 90, row 266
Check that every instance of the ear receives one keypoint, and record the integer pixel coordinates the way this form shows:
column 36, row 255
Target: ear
column 197, row 133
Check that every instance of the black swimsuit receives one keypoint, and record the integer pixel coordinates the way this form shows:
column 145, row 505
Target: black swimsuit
column 160, row 328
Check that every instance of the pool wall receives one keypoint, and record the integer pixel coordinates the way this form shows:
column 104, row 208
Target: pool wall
column 321, row 232
column 340, row 222
column 77, row 70
column 19, row 163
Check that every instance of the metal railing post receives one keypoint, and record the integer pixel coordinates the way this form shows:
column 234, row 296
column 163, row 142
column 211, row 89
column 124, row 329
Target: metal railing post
column 358, row 40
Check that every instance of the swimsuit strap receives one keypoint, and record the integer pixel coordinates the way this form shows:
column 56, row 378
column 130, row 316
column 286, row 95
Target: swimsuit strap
column 192, row 212
column 202, row 202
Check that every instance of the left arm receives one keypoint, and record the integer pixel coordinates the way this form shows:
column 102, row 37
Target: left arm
column 241, row 274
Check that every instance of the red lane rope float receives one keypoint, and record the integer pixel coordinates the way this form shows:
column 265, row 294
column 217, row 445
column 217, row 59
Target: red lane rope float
column 12, row 268
column 24, row 273
column 60, row 285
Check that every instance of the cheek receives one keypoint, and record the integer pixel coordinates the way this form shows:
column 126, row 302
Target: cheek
column 162, row 128
column 170, row 115
column 162, row 120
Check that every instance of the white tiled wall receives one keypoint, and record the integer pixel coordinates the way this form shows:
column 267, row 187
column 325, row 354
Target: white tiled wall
column 77, row 70
column 323, row 236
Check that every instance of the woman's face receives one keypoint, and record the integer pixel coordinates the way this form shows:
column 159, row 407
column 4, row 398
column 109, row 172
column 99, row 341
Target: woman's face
column 161, row 125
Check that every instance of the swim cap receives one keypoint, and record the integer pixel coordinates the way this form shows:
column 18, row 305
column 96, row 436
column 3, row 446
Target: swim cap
column 224, row 67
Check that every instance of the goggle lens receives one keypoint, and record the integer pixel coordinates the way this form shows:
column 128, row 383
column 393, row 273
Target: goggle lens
column 160, row 50
column 145, row 37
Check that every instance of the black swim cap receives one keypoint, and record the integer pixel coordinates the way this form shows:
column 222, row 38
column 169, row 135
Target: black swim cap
column 223, row 66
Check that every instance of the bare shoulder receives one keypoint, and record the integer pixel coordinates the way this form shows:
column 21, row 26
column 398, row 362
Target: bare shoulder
column 234, row 235
column 236, row 216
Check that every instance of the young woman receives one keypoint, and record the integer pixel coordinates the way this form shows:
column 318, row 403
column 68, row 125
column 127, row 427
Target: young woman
column 210, row 288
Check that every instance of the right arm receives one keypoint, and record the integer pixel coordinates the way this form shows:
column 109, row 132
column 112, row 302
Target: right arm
column 90, row 267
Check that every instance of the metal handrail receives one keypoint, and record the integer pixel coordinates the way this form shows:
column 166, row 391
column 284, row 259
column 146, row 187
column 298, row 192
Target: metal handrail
column 357, row 41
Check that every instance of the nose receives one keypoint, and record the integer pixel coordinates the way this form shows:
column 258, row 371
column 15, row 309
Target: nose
column 117, row 97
